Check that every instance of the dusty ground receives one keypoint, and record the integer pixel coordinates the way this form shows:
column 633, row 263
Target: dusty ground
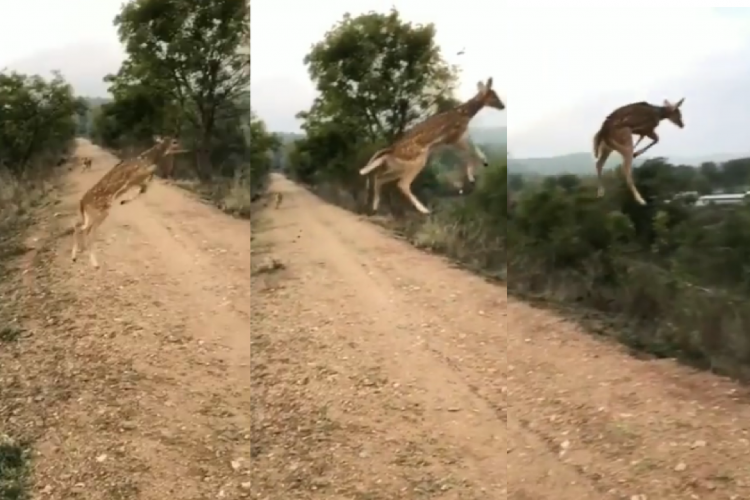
column 133, row 379
column 378, row 372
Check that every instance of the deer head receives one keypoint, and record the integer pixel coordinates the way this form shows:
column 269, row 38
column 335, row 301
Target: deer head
column 170, row 144
column 674, row 114
column 488, row 96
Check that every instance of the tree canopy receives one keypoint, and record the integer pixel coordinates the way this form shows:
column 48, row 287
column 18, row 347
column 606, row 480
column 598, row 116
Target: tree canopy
column 186, row 73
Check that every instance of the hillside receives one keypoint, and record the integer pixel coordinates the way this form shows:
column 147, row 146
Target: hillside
column 583, row 163
column 488, row 136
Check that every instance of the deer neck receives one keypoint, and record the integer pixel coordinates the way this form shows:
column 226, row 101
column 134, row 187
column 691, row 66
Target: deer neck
column 663, row 112
column 156, row 153
column 470, row 108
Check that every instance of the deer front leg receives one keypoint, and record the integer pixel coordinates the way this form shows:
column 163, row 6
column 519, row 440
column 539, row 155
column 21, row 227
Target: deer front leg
column 604, row 153
column 470, row 154
column 654, row 139
column 143, row 187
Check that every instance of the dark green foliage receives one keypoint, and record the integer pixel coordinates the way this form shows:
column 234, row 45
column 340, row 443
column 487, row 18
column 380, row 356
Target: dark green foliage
column 186, row 74
column 37, row 119
column 678, row 276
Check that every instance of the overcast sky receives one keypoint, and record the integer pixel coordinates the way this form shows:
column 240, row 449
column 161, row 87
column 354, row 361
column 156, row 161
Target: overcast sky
column 284, row 30
column 75, row 36
column 572, row 66
column 561, row 66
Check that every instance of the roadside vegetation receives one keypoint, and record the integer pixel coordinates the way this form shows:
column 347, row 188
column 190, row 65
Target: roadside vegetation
column 669, row 279
column 38, row 119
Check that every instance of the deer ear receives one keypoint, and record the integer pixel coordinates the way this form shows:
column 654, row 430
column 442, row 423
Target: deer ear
column 481, row 88
column 668, row 104
column 489, row 83
column 679, row 103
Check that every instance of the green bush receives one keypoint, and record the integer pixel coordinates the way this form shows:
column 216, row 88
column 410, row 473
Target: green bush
column 674, row 276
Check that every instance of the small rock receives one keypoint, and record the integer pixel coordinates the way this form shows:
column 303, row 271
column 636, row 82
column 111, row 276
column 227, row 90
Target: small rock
column 101, row 458
column 680, row 467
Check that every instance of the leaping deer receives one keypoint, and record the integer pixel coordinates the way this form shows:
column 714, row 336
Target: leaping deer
column 405, row 158
column 616, row 134
column 97, row 201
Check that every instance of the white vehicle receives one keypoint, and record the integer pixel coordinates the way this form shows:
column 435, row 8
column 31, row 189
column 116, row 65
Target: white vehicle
column 721, row 199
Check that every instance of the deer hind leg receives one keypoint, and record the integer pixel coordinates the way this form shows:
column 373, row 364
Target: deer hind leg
column 411, row 170
column 95, row 221
column 624, row 146
column 604, row 152
column 79, row 242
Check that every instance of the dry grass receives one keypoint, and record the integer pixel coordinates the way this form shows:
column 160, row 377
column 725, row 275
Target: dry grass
column 18, row 197
column 19, row 201
column 232, row 196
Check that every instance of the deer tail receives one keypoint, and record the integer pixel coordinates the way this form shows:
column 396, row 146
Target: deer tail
column 597, row 143
column 376, row 160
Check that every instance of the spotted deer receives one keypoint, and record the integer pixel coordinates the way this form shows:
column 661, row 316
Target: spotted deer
column 403, row 160
column 87, row 162
column 97, row 201
column 616, row 134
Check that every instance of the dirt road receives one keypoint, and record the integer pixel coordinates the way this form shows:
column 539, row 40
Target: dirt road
column 380, row 372
column 377, row 372
column 143, row 366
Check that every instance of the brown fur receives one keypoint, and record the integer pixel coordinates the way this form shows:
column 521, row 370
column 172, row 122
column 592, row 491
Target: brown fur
column 616, row 134
column 405, row 158
column 167, row 166
column 97, row 201
column 87, row 162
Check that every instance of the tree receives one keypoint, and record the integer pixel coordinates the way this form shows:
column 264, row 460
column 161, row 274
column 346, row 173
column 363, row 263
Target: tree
column 380, row 71
column 376, row 75
column 37, row 117
column 192, row 54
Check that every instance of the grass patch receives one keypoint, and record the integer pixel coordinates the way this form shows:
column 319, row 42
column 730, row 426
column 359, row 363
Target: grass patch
column 14, row 469
column 10, row 334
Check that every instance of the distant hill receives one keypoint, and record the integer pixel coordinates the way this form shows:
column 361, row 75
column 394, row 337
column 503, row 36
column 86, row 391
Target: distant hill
column 494, row 136
column 289, row 137
column 481, row 135
column 583, row 163
column 95, row 102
